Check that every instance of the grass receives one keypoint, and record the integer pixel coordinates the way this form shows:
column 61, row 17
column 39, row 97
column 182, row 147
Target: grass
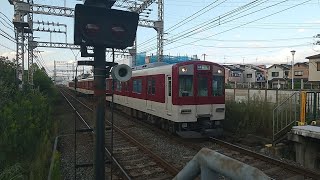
column 253, row 116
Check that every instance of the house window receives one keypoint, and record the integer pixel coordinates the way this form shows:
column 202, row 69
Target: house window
column 137, row 86
column 298, row 73
column 318, row 66
column 249, row 75
column 275, row 74
column 286, row 74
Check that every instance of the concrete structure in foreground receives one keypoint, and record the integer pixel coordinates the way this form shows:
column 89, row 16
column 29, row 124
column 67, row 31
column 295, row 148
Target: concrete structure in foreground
column 307, row 145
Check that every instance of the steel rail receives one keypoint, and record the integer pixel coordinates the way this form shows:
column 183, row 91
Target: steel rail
column 170, row 168
column 290, row 167
column 113, row 159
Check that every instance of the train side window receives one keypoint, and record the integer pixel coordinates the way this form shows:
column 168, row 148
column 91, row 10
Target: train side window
column 137, row 86
column 126, row 86
column 185, row 85
column 217, row 85
column 107, row 85
column 151, row 86
column 118, row 88
column 169, row 86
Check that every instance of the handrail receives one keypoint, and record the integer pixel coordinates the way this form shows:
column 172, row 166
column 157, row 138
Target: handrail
column 284, row 101
column 284, row 115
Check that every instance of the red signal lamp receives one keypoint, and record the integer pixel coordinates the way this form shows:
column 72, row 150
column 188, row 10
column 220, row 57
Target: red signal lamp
column 92, row 29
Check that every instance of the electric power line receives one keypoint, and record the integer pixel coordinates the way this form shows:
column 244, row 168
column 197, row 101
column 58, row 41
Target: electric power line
column 7, row 38
column 211, row 26
column 203, row 26
column 186, row 19
column 7, row 47
column 247, row 23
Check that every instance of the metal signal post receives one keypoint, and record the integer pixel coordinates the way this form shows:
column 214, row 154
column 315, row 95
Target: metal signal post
column 101, row 27
column 100, row 106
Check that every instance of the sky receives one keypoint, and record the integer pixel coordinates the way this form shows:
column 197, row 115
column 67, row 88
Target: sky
column 226, row 31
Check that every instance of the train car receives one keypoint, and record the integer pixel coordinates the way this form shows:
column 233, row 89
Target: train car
column 186, row 98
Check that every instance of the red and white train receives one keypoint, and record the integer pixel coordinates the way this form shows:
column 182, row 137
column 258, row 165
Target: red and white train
column 186, row 98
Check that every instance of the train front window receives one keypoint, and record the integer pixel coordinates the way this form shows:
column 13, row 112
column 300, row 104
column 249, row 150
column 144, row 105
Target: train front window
column 202, row 86
column 217, row 85
column 185, row 85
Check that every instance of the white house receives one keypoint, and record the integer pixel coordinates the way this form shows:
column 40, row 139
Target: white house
column 314, row 68
column 278, row 75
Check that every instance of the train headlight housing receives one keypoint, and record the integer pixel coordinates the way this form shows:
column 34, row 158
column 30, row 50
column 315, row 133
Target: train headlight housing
column 219, row 71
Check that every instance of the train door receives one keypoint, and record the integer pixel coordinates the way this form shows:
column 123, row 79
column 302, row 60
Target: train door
column 203, row 92
column 169, row 95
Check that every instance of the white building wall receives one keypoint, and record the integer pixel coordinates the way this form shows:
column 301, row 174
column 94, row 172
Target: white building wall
column 314, row 75
column 275, row 68
column 249, row 71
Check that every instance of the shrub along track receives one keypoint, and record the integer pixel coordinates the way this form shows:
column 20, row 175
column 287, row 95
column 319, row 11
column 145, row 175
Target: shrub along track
column 134, row 160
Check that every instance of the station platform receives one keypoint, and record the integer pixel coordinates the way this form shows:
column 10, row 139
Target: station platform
column 307, row 145
column 307, row 131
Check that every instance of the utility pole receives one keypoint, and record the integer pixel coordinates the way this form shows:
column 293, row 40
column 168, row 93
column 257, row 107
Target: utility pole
column 204, row 57
column 292, row 69
column 159, row 27
column 21, row 9
column 54, row 71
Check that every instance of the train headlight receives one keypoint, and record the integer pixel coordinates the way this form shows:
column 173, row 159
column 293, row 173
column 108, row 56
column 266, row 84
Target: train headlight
column 184, row 69
column 219, row 71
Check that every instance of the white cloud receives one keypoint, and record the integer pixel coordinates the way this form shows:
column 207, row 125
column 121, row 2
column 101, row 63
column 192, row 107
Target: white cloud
column 301, row 30
column 10, row 55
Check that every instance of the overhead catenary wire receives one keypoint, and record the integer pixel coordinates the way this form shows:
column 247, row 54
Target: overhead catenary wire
column 5, row 36
column 6, row 20
column 8, row 35
column 253, row 47
column 179, row 24
column 231, row 13
column 254, row 40
column 7, row 47
column 242, row 24
column 218, row 19
column 220, row 22
column 251, row 21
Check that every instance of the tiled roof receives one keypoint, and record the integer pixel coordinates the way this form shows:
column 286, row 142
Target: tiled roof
column 313, row 57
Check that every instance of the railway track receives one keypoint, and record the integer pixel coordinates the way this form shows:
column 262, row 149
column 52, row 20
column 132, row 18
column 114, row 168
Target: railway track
column 276, row 169
column 134, row 160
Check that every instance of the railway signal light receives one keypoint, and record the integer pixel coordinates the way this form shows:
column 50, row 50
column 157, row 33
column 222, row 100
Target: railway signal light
column 98, row 26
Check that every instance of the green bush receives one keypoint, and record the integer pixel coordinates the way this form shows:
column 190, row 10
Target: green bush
column 56, row 173
column 14, row 172
column 253, row 116
column 26, row 124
